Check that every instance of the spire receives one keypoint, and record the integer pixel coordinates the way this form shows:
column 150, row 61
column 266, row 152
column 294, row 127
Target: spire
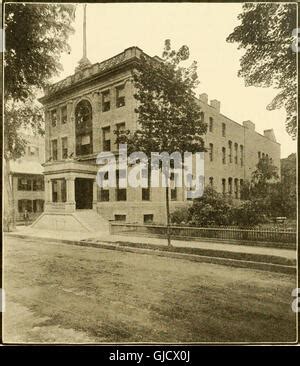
column 84, row 62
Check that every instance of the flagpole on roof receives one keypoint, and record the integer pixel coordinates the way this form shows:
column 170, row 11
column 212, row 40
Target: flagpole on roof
column 84, row 62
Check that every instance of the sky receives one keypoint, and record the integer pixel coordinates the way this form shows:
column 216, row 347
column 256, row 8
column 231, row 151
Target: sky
column 111, row 28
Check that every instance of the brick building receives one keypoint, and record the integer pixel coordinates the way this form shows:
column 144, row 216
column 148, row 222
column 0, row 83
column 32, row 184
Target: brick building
column 83, row 111
column 27, row 179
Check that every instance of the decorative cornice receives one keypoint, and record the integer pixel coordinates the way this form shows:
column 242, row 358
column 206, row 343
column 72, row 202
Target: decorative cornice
column 86, row 72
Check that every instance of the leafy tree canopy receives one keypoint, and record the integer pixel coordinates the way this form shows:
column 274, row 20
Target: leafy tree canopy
column 265, row 33
column 35, row 37
column 20, row 117
column 168, row 113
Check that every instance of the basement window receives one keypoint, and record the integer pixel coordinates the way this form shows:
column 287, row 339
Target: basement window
column 120, row 218
column 148, row 219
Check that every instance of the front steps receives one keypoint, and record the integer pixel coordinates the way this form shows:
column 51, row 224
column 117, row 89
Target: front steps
column 92, row 220
column 88, row 221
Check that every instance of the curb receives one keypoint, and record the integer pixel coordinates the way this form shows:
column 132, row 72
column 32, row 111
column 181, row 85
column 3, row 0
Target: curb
column 125, row 247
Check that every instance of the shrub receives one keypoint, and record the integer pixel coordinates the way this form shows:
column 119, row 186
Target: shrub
column 180, row 216
column 248, row 214
column 212, row 208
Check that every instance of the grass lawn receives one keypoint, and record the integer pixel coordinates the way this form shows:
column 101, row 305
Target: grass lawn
column 64, row 293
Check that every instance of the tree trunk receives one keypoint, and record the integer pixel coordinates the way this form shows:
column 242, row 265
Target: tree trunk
column 168, row 217
column 9, row 211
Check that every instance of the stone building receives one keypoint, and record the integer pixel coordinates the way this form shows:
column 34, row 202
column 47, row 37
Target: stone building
column 27, row 179
column 83, row 111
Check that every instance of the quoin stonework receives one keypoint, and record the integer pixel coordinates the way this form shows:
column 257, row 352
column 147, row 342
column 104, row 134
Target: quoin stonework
column 83, row 111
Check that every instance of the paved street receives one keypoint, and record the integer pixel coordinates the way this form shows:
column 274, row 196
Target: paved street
column 65, row 293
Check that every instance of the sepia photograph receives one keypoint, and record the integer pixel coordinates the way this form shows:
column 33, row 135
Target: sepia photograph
column 149, row 175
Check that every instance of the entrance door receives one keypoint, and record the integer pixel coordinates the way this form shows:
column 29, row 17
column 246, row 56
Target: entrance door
column 84, row 193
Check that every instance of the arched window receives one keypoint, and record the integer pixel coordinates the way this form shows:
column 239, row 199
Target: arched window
column 84, row 128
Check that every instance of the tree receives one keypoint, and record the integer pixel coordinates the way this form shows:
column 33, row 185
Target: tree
column 168, row 112
column 262, row 177
column 35, row 37
column 287, row 194
column 265, row 172
column 265, row 33
column 247, row 214
column 266, row 191
column 212, row 208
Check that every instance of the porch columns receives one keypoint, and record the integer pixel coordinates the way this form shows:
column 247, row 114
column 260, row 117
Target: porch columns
column 70, row 189
column 70, row 205
column 48, row 190
column 94, row 194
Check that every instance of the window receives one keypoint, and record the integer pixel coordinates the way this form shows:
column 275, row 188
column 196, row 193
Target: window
column 54, row 149
column 63, row 190
column 230, row 185
column 224, row 186
column 236, row 188
column 38, row 184
column 223, row 129
column 148, row 219
column 84, row 128
column 103, row 195
column 174, row 194
column 106, row 138
column 34, row 206
column 24, row 184
column 64, row 115
column 211, row 182
column 85, row 144
column 106, row 101
column 121, row 194
column 25, row 205
column 230, row 151
column 242, row 155
column 120, row 96
column 211, row 152
column 120, row 217
column 38, row 205
column 241, row 187
column 53, row 116
column 146, row 194
column 211, row 124
column 235, row 153
column 22, row 204
column 120, row 127
column 224, row 155
column 64, row 147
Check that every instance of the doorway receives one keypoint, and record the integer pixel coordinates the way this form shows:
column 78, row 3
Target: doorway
column 84, row 193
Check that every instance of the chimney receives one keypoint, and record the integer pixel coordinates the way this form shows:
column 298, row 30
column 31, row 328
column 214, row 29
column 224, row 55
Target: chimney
column 269, row 134
column 249, row 124
column 215, row 104
column 203, row 97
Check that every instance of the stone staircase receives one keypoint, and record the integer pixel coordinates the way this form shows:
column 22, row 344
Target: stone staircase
column 92, row 221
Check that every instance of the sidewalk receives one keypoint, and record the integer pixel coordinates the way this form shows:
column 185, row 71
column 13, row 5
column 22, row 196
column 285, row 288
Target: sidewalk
column 288, row 254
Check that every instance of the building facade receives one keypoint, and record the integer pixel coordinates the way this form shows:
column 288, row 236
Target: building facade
column 27, row 180
column 82, row 113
